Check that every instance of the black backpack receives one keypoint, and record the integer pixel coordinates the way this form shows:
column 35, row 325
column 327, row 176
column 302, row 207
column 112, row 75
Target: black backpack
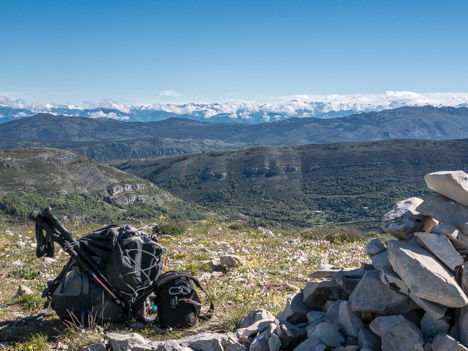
column 111, row 274
column 127, row 267
column 178, row 304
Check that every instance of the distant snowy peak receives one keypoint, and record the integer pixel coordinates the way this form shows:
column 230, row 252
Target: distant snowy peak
column 302, row 106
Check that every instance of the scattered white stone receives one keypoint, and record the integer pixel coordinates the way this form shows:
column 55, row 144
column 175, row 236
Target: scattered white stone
column 231, row 261
column 23, row 290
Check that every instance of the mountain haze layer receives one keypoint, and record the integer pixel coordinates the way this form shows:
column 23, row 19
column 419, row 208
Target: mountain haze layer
column 298, row 106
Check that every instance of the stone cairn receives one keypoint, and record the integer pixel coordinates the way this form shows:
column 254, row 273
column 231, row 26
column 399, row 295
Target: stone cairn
column 412, row 297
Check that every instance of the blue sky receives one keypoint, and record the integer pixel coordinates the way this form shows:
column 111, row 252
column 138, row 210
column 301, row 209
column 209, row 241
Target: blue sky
column 136, row 52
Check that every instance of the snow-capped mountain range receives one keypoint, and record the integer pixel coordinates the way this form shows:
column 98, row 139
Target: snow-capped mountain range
column 301, row 106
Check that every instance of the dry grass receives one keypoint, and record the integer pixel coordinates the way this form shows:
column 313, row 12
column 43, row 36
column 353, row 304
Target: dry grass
column 275, row 264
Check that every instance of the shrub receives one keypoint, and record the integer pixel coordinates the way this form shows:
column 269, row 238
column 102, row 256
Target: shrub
column 171, row 228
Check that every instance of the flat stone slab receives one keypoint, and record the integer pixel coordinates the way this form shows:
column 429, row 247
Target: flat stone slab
column 350, row 322
column 371, row 295
column 441, row 247
column 435, row 310
column 374, row 247
column 444, row 342
column 424, row 275
column 397, row 333
column 404, row 218
column 452, row 184
column 446, row 211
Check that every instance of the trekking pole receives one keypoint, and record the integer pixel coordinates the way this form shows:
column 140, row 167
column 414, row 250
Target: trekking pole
column 55, row 222
column 42, row 222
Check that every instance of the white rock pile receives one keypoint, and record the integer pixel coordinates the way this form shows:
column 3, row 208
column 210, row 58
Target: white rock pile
column 412, row 297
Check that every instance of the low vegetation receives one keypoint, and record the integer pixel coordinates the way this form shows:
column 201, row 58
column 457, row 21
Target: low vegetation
column 275, row 264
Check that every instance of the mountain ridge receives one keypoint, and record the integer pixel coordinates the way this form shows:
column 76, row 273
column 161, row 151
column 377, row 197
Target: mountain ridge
column 406, row 122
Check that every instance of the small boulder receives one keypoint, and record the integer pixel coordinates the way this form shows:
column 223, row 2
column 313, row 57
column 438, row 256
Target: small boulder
column 403, row 220
column 295, row 310
column 435, row 310
column 254, row 316
column 23, row 290
column 371, row 295
column 452, row 184
column 327, row 333
column 367, row 339
column 441, row 247
column 374, row 247
column 431, row 327
column 350, row 322
column 444, row 342
column 231, row 261
column 424, row 275
column 397, row 333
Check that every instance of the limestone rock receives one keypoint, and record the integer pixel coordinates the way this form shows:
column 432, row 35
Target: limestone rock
column 424, row 275
column 397, row 333
column 348, row 280
column 172, row 345
column 435, row 310
column 350, row 322
column 333, row 312
column 444, row 342
column 295, row 311
column 254, row 329
column 452, row 184
column 441, row 247
column 463, row 325
column 260, row 343
column 387, row 275
column 446, row 211
column 316, row 317
column 121, row 342
column 327, row 333
column 274, row 343
column 374, row 247
column 289, row 334
column 23, row 290
column 403, row 220
column 255, row 316
column 456, row 237
column 431, row 327
column 371, row 295
column 231, row 261
column 94, row 347
column 367, row 339
column 211, row 342
column 315, row 294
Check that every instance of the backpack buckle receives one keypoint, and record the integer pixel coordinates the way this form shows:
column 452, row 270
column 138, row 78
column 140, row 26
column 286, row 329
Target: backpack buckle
column 179, row 290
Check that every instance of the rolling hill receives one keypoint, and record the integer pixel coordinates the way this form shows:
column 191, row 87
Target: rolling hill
column 78, row 186
column 337, row 183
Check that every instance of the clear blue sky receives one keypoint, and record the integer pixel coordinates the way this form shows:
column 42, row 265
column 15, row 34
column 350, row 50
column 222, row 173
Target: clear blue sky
column 181, row 50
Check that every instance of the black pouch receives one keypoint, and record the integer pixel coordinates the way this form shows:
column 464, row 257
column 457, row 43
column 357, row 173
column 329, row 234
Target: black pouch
column 178, row 303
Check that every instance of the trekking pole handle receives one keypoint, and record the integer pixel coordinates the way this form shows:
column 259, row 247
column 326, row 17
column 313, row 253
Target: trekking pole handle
column 47, row 213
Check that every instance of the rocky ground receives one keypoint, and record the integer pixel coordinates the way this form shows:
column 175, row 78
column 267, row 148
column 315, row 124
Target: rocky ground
column 267, row 267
